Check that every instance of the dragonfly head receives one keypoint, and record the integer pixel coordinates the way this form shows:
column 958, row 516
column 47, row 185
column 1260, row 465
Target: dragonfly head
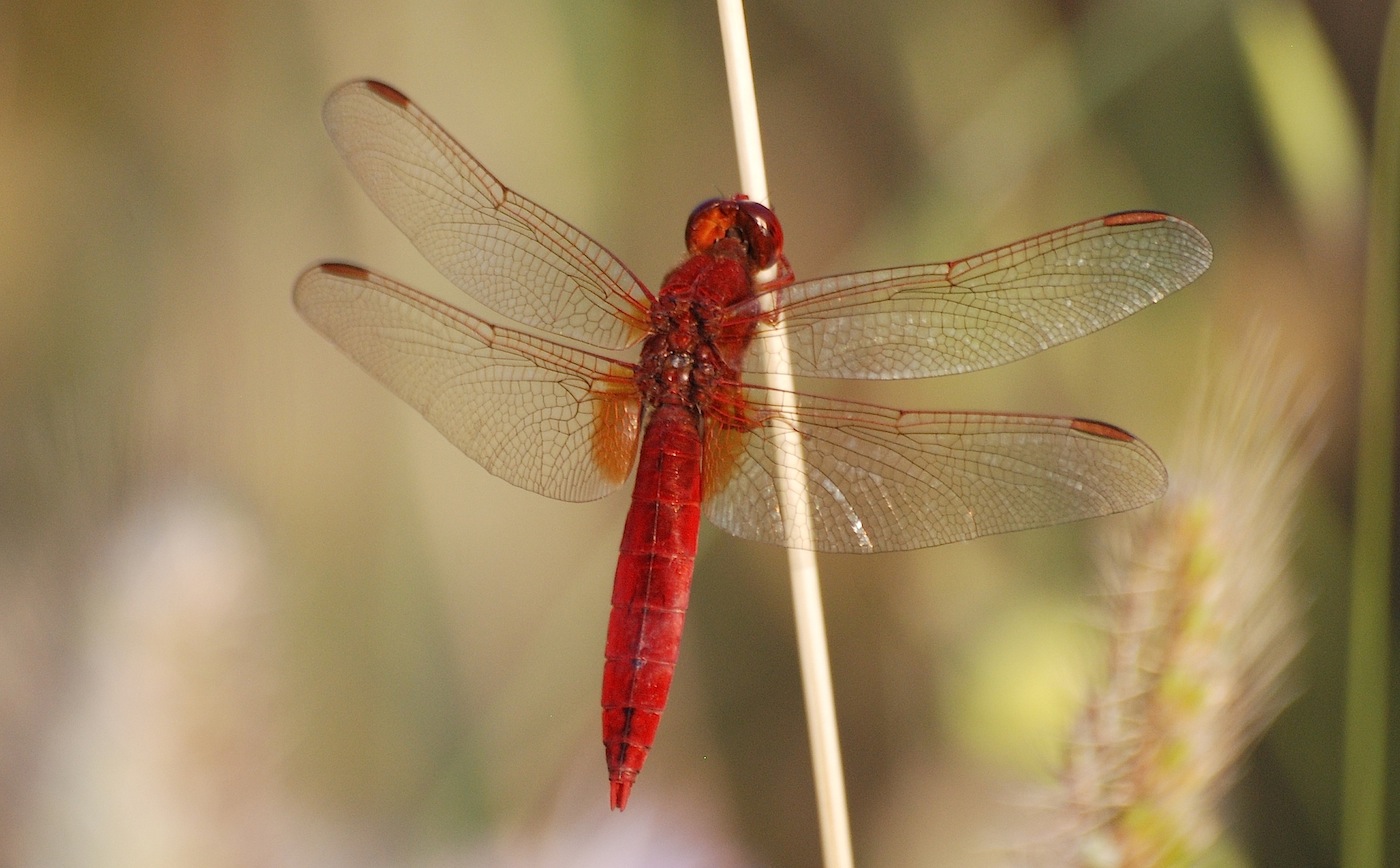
column 740, row 220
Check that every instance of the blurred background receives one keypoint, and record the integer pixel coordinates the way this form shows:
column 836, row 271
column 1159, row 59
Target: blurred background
column 255, row 611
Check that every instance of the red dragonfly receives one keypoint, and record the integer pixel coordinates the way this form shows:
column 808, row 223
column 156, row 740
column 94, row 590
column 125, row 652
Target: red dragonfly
column 565, row 421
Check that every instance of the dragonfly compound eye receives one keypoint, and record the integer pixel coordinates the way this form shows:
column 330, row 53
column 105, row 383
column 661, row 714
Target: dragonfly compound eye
column 762, row 233
column 708, row 223
column 745, row 221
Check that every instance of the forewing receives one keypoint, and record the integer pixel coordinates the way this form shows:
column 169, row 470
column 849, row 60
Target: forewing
column 548, row 418
column 882, row 480
column 985, row 310
column 510, row 254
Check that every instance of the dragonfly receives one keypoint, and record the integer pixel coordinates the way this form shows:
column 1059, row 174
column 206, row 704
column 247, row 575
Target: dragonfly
column 567, row 407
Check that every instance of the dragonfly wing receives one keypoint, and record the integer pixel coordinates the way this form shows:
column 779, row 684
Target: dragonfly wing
column 510, row 254
column 548, row 418
column 882, row 480
column 985, row 310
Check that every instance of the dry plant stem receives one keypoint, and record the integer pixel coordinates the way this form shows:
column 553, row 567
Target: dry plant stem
column 1368, row 676
column 802, row 565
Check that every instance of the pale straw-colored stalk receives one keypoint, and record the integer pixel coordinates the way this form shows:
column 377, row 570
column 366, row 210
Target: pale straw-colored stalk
column 802, row 565
column 1204, row 622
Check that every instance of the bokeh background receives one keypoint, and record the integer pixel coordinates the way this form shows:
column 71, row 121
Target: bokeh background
column 254, row 611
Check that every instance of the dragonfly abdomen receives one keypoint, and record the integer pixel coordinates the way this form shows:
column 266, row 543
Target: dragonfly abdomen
column 650, row 591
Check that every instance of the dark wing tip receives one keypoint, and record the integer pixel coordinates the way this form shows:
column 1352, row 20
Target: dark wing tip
column 1128, row 218
column 1153, row 481
column 1203, row 251
column 1193, row 248
column 308, row 283
column 342, row 269
column 1101, row 429
column 386, row 92
column 373, row 87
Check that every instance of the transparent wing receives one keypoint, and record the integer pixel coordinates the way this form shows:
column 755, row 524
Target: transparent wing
column 548, row 418
column 985, row 310
column 505, row 251
column 883, row 480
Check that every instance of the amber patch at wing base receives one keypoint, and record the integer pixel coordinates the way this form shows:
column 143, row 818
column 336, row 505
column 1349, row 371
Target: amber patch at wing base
column 727, row 424
column 616, row 423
